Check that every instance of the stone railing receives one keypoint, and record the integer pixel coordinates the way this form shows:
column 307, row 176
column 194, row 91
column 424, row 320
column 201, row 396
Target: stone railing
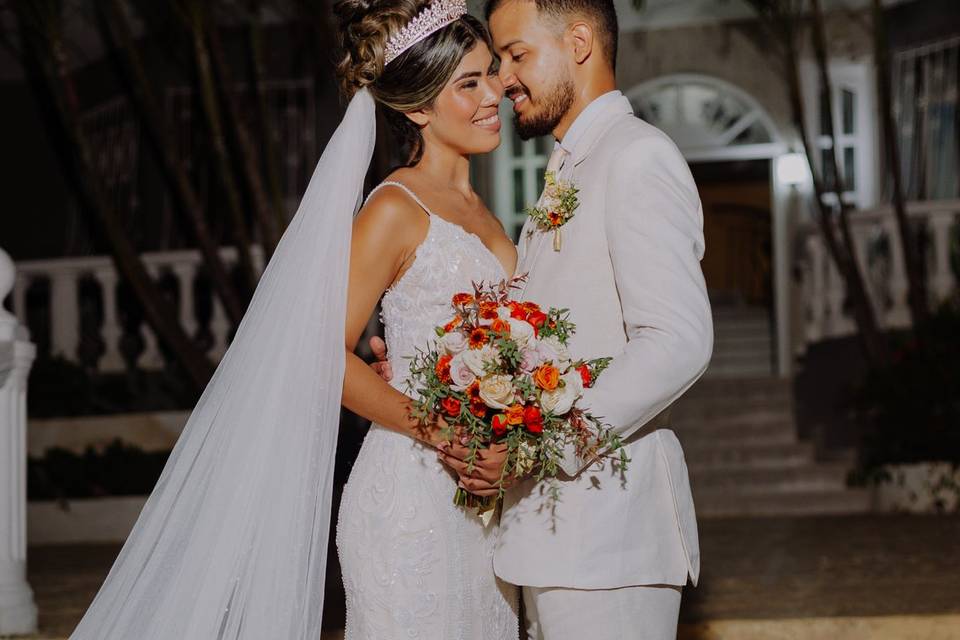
column 18, row 613
column 63, row 282
column 881, row 261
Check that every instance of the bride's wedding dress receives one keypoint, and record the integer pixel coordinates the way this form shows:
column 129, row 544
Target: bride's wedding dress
column 415, row 566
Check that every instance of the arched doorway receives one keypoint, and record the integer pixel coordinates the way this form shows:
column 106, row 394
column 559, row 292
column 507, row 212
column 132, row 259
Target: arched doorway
column 731, row 144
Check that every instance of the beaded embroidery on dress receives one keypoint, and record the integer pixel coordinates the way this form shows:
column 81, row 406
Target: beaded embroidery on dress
column 415, row 566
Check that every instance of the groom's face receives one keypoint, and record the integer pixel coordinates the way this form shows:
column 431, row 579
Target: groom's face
column 534, row 66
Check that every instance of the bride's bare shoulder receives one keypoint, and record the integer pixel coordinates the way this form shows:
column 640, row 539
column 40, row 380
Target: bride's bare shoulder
column 390, row 217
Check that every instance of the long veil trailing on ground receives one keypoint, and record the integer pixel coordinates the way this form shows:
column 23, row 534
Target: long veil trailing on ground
column 232, row 543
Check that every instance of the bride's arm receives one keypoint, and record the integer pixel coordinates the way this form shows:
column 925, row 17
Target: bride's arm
column 385, row 236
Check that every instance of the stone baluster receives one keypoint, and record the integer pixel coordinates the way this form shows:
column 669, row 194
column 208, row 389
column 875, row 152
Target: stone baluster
column 834, row 300
column 942, row 279
column 816, row 288
column 150, row 359
column 219, row 329
column 898, row 315
column 20, row 286
column 64, row 313
column 185, row 273
column 112, row 359
column 18, row 612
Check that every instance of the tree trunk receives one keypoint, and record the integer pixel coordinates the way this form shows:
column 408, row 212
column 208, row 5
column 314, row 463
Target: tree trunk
column 117, row 35
column 268, row 139
column 870, row 335
column 917, row 292
column 243, row 145
column 211, row 112
column 44, row 61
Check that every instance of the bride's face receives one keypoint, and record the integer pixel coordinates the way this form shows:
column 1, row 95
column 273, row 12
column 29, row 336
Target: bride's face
column 465, row 116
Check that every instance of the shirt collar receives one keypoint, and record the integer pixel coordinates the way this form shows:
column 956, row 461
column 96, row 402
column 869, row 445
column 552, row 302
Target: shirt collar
column 585, row 119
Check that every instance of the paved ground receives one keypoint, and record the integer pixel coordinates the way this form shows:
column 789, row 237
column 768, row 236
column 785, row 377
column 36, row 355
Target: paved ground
column 779, row 571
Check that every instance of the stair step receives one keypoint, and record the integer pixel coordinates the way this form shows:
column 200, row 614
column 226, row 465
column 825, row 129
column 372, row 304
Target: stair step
column 740, row 386
column 707, row 417
column 809, row 478
column 698, row 408
column 720, row 371
column 718, row 504
column 740, row 456
column 751, row 435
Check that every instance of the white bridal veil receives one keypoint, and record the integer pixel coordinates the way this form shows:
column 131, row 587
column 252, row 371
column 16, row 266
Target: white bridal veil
column 232, row 543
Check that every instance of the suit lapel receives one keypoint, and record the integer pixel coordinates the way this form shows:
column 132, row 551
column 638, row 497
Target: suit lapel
column 534, row 245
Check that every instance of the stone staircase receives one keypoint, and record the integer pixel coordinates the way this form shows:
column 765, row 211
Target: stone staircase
column 744, row 456
column 742, row 344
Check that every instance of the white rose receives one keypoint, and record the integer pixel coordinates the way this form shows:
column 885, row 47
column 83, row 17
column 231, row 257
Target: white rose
column 521, row 331
column 477, row 359
column 560, row 400
column 574, row 380
column 460, row 372
column 497, row 391
column 453, row 342
column 563, row 354
column 546, row 351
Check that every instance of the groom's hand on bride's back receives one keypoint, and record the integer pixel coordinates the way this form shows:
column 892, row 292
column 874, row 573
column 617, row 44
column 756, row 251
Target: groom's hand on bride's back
column 379, row 349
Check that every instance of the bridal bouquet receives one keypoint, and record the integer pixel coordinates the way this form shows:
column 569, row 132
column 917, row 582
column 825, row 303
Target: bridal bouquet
column 499, row 372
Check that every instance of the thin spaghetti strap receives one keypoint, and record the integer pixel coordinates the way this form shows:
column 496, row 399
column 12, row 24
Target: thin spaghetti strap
column 409, row 191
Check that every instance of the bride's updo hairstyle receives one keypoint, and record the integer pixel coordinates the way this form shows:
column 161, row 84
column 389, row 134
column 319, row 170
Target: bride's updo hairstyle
column 413, row 80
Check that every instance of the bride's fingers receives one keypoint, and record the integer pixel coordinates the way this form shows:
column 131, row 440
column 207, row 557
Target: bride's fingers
column 478, row 487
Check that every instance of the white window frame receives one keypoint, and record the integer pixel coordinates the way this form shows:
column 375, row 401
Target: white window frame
column 529, row 161
column 858, row 77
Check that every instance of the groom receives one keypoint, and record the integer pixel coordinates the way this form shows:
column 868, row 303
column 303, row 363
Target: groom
column 610, row 561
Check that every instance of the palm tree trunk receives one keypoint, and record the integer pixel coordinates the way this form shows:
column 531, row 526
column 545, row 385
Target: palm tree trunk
column 211, row 112
column 268, row 139
column 117, row 35
column 44, row 60
column 242, row 143
column 917, row 291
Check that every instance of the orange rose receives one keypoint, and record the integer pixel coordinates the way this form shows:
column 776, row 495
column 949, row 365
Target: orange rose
column 537, row 319
column 500, row 326
column 478, row 338
column 555, row 218
column 451, row 406
column 443, row 369
column 453, row 324
column 547, row 377
column 462, row 299
column 517, row 311
column 515, row 414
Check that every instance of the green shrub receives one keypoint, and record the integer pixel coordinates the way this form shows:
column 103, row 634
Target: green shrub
column 909, row 410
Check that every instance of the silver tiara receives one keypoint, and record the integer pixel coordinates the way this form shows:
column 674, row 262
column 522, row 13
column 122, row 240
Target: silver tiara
column 439, row 14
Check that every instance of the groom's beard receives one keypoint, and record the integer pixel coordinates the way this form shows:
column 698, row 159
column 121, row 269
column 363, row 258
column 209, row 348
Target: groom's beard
column 552, row 107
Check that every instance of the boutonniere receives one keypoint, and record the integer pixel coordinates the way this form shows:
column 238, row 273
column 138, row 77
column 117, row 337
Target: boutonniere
column 556, row 208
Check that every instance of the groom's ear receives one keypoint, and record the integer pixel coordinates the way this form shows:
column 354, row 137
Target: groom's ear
column 581, row 38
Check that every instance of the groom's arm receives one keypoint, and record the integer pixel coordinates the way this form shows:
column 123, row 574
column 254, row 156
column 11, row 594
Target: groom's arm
column 654, row 228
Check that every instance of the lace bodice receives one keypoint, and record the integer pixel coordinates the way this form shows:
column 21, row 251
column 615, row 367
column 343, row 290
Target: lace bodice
column 416, row 566
column 449, row 261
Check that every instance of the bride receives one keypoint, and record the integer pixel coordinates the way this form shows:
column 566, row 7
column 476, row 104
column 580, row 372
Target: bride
column 414, row 564
column 232, row 543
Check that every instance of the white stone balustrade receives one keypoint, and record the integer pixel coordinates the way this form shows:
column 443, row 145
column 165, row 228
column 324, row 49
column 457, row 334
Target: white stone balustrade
column 18, row 612
column 65, row 274
column 823, row 289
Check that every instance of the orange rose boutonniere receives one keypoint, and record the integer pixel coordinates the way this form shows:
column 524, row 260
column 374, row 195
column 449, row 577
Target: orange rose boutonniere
column 556, row 208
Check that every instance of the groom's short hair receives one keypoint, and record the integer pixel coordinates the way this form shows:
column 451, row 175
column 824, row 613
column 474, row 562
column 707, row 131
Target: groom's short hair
column 602, row 12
